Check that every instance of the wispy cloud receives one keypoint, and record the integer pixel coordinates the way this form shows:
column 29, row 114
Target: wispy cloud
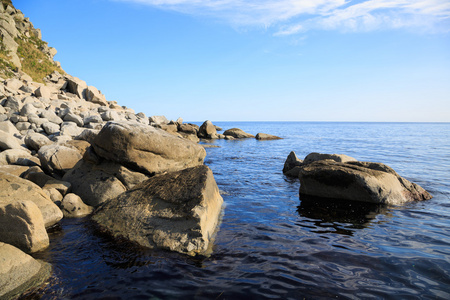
column 289, row 17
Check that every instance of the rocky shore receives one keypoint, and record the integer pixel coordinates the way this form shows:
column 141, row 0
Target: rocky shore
column 66, row 152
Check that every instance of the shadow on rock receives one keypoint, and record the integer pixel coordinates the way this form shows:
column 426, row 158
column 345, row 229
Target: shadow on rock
column 338, row 216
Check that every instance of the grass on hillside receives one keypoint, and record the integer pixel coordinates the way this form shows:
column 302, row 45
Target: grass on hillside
column 34, row 62
column 6, row 67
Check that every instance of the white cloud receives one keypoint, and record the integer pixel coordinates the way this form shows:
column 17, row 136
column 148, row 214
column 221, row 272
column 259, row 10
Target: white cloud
column 289, row 17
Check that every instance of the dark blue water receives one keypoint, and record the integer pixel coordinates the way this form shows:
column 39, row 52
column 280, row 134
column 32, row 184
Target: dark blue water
column 271, row 243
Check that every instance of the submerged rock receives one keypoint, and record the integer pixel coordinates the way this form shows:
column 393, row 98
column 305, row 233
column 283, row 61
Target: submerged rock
column 178, row 211
column 146, row 149
column 265, row 136
column 19, row 272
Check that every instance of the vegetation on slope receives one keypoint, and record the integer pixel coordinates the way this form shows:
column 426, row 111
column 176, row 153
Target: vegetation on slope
column 34, row 62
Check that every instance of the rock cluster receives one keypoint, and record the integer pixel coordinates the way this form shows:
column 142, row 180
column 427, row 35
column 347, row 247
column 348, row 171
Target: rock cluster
column 343, row 177
column 65, row 150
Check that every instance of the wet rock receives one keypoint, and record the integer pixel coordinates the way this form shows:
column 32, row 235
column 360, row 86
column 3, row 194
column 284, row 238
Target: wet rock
column 292, row 165
column 178, row 211
column 238, row 133
column 358, row 181
column 265, row 136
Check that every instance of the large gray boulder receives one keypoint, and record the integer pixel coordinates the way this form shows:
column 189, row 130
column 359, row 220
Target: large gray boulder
column 8, row 141
column 178, row 211
column 146, row 149
column 57, row 158
column 36, row 141
column 238, row 133
column 93, row 95
column 20, row 272
column 18, row 157
column 358, row 181
column 92, row 184
column 13, row 188
column 22, row 225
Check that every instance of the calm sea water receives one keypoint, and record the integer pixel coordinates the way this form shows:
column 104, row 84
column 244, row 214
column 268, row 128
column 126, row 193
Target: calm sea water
column 271, row 243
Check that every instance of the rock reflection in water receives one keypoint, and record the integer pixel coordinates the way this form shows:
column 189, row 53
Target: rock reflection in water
column 338, row 216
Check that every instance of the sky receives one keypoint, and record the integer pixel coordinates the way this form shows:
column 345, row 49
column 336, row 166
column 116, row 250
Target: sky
column 266, row 60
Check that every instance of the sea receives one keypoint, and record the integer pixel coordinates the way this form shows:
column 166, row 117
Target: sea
column 274, row 244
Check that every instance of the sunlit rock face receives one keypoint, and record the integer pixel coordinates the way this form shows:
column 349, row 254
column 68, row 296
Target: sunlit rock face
column 177, row 211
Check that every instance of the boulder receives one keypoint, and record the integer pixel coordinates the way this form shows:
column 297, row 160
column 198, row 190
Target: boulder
column 22, row 225
column 18, row 157
column 93, row 185
column 57, row 158
column 70, row 129
column 207, row 130
column 265, row 136
column 178, row 211
column 292, row 165
column 14, row 169
column 36, row 141
column 159, row 120
column 187, row 128
column 76, row 86
column 51, row 116
column 8, row 127
column 43, row 92
column 312, row 157
column 50, row 128
column 358, row 181
column 20, row 272
column 73, row 207
column 146, row 149
column 8, row 141
column 13, row 189
column 238, row 133
column 93, row 95
column 70, row 117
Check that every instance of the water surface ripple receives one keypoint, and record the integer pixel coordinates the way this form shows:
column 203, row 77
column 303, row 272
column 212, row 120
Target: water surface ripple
column 274, row 245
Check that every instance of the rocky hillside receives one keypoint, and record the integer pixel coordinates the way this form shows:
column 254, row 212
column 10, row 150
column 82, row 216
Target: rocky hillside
column 22, row 48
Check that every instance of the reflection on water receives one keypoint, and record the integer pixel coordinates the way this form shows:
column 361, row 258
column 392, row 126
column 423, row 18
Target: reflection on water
column 342, row 216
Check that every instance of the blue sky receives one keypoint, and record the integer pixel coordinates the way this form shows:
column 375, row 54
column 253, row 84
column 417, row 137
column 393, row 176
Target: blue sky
column 266, row 60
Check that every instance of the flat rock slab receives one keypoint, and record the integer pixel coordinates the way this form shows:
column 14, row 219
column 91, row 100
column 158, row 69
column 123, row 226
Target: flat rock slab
column 177, row 211
column 265, row 136
column 146, row 149
column 238, row 133
column 19, row 272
